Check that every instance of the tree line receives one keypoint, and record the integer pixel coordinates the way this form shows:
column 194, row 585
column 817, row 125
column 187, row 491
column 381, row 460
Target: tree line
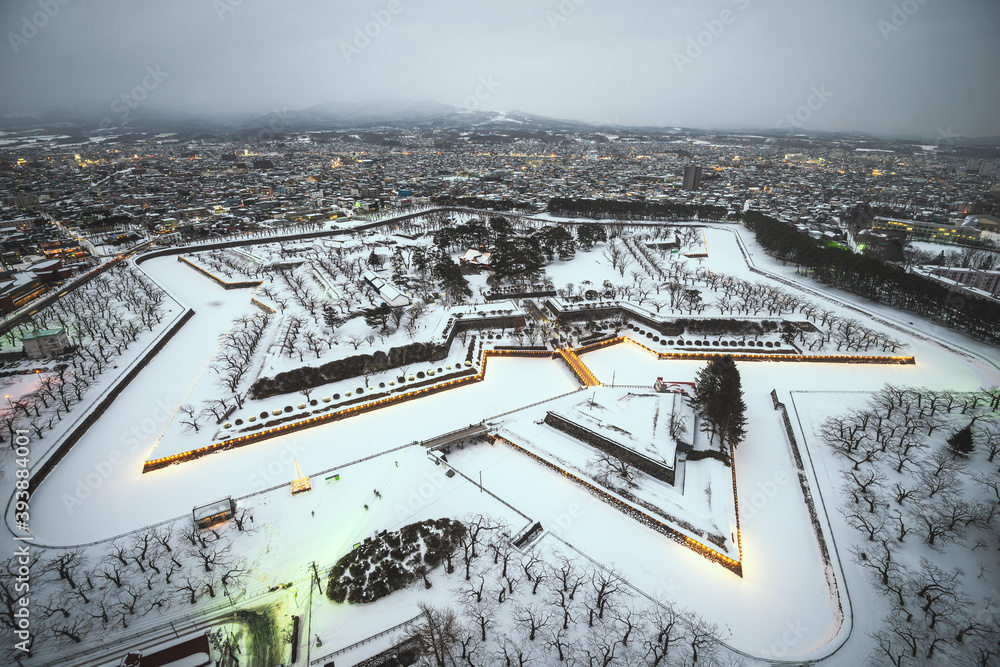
column 873, row 279
column 632, row 210
column 308, row 377
column 513, row 607
column 102, row 320
column 78, row 593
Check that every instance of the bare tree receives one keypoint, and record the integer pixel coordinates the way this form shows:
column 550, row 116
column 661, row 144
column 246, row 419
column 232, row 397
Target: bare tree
column 866, row 522
column 609, row 470
column 889, row 646
column 666, row 631
column 702, row 636
column 557, row 638
column 435, row 634
column 163, row 535
column 476, row 528
column 481, row 611
column 534, row 570
column 192, row 414
column 533, row 618
column 604, row 584
column 68, row 565
column 189, row 588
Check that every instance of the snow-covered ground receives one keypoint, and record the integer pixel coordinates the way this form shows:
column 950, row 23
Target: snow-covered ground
column 128, row 432
column 785, row 606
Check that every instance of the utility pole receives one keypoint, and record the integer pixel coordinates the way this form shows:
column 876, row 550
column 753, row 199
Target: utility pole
column 319, row 582
column 308, row 620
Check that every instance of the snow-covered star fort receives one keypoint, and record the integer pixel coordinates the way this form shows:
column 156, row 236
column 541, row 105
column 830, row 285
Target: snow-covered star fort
column 289, row 427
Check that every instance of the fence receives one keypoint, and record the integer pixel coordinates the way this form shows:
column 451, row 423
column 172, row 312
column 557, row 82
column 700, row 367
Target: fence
column 367, row 640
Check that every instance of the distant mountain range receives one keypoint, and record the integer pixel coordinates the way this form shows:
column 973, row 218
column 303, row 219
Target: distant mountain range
column 374, row 114
column 333, row 115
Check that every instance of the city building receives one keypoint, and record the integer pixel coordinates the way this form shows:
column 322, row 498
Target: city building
column 928, row 231
column 46, row 343
column 692, row 177
column 19, row 290
column 985, row 281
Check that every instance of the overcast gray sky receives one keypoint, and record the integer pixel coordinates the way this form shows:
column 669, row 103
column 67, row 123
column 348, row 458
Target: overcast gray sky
column 879, row 66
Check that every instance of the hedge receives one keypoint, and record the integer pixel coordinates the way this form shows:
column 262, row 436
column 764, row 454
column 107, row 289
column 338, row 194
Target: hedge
column 307, row 377
column 393, row 560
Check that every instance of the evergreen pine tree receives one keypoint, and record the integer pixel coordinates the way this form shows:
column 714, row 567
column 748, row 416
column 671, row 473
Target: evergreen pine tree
column 961, row 441
column 719, row 400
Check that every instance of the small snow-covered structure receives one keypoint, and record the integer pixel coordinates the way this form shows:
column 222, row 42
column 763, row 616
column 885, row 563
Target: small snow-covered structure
column 477, row 257
column 301, row 483
column 390, row 293
column 214, row 512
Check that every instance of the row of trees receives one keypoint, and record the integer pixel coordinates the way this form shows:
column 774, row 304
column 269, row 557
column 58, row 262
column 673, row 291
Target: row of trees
column 876, row 280
column 632, row 210
column 78, row 593
column 109, row 311
column 308, row 377
column 512, row 608
column 102, row 318
column 925, row 503
column 231, row 364
column 477, row 203
column 674, row 290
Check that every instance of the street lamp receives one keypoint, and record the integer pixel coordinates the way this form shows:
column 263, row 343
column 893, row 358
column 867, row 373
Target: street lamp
column 294, row 592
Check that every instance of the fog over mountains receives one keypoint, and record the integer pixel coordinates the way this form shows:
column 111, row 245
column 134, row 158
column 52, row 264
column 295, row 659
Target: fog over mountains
column 401, row 114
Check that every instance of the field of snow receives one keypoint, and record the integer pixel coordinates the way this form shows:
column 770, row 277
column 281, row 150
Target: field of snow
column 125, row 436
column 98, row 490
